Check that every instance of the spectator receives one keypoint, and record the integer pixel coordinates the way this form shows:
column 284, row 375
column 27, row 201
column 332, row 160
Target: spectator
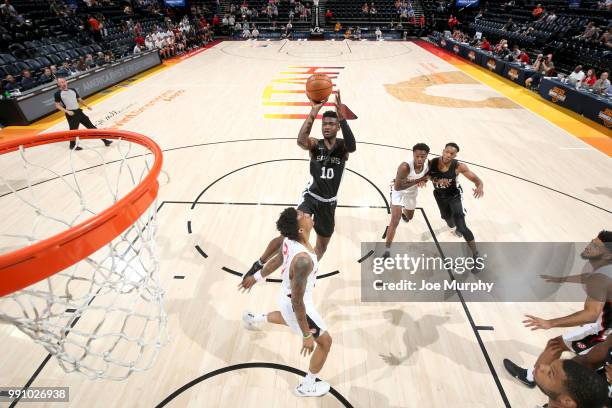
column 602, row 84
column 357, row 35
column 231, row 21
column 337, row 29
column 422, row 21
column 89, row 61
column 11, row 84
column 81, row 66
column 500, row 45
column 524, row 57
column 149, row 43
column 66, row 69
column 373, row 10
column 504, row 52
column 255, row 33
column 53, row 69
column 46, row 76
column 8, row 8
column 537, row 12
column 576, row 76
column 137, row 49
column 589, row 80
column 551, row 17
column 543, row 67
column 452, row 22
column 606, row 38
column 216, row 21
column 246, row 34
column 94, row 25
column 329, row 15
column 365, row 9
column 509, row 26
column 100, row 59
column 109, row 57
column 9, row 13
column 378, row 34
column 225, row 21
column 528, row 31
column 516, row 53
column 485, row 45
column 27, row 82
column 590, row 32
column 139, row 40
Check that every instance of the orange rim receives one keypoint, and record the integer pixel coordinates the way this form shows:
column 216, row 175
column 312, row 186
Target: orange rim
column 26, row 266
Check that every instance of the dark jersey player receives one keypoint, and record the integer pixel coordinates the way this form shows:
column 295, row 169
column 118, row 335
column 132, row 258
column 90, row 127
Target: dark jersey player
column 327, row 159
column 443, row 172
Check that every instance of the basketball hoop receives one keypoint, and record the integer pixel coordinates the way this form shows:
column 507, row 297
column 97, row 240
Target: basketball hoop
column 81, row 276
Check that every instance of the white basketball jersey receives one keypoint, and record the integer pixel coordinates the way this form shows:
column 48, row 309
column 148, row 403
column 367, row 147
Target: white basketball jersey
column 413, row 175
column 290, row 250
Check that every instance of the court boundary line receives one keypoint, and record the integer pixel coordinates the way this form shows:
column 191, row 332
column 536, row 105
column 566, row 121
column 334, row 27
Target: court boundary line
column 468, row 314
column 365, row 143
column 180, row 390
column 494, row 77
column 241, row 366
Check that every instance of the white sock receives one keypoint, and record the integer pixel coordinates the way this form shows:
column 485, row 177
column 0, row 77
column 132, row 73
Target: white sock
column 530, row 374
column 260, row 317
column 309, row 379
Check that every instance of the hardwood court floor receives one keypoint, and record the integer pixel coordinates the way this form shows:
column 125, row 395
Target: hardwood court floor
column 227, row 120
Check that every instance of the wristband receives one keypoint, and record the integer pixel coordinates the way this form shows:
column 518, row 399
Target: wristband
column 258, row 276
column 307, row 337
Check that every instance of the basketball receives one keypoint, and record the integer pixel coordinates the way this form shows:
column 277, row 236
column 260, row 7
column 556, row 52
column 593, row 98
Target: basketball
column 318, row 87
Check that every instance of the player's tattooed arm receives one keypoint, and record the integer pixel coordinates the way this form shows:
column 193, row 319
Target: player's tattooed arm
column 302, row 266
column 401, row 178
column 273, row 263
column 304, row 140
column 470, row 175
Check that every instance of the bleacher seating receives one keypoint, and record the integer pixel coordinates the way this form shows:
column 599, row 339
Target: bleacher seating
column 557, row 37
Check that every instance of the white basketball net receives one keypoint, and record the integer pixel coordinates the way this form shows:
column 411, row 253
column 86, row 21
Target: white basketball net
column 103, row 317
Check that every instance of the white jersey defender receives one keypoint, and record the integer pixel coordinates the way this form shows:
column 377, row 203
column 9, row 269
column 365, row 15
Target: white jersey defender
column 407, row 198
column 317, row 326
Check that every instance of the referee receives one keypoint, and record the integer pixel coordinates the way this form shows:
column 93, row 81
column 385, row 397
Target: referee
column 68, row 101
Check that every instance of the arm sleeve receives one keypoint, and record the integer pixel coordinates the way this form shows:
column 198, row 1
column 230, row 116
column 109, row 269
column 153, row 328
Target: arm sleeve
column 349, row 138
column 57, row 96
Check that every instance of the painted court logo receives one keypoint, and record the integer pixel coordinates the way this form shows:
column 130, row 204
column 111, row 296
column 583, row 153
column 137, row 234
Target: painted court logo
column 491, row 64
column 606, row 117
column 557, row 94
column 285, row 95
column 513, row 74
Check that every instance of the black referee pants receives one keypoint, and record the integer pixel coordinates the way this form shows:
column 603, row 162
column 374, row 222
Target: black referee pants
column 79, row 118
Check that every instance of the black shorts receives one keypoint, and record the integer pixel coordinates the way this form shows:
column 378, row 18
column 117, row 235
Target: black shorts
column 450, row 205
column 323, row 214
